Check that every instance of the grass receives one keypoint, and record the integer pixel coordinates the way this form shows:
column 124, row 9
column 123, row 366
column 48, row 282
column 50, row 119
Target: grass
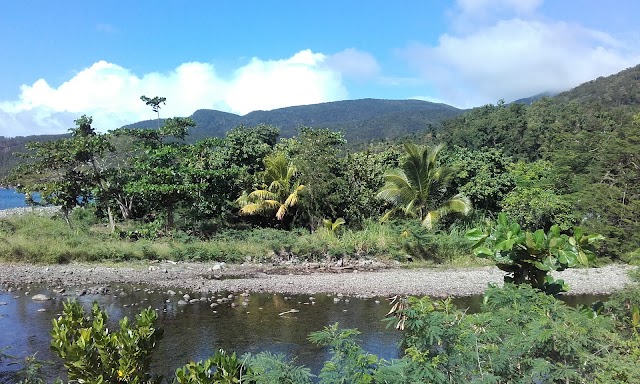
column 36, row 239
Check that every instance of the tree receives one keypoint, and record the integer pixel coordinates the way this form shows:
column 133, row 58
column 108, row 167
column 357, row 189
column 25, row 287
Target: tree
column 154, row 103
column 159, row 169
column 280, row 192
column 67, row 172
column 315, row 153
column 419, row 187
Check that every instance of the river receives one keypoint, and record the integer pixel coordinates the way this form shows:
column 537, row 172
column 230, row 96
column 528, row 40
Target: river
column 196, row 331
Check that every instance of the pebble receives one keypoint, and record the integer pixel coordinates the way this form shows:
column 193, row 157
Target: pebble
column 40, row 297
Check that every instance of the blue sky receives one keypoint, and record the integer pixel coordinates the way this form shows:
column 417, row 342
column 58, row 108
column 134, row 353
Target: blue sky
column 64, row 59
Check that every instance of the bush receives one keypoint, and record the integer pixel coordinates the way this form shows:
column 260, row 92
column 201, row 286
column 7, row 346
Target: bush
column 95, row 354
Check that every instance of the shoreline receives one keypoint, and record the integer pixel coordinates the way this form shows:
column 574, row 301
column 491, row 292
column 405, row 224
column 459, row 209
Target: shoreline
column 357, row 281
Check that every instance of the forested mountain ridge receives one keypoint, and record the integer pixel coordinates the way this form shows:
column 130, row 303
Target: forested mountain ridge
column 622, row 88
column 359, row 120
column 580, row 156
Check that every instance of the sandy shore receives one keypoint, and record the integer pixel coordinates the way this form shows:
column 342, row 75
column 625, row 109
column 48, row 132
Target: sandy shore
column 358, row 281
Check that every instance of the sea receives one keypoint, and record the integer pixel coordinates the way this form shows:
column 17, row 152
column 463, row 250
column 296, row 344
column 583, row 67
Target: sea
column 10, row 198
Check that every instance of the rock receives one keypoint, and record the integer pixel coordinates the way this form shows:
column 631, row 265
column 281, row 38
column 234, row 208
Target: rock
column 3, row 303
column 42, row 310
column 171, row 293
column 216, row 267
column 186, row 297
column 40, row 297
column 193, row 301
column 182, row 302
column 213, row 305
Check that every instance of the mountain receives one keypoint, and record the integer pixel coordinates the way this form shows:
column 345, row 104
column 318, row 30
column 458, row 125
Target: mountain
column 9, row 146
column 359, row 120
column 620, row 89
column 532, row 99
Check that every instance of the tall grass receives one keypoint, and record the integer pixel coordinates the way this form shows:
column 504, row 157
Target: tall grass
column 31, row 238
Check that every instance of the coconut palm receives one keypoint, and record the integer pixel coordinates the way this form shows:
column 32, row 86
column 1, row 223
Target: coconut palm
column 415, row 188
column 280, row 191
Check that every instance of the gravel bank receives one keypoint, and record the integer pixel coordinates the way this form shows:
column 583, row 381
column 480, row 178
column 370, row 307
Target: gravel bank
column 208, row 277
column 44, row 211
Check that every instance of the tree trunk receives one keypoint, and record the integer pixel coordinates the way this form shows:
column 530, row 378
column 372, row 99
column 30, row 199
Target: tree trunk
column 169, row 217
column 112, row 221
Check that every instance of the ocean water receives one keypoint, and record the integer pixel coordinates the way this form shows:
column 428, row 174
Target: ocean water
column 9, row 198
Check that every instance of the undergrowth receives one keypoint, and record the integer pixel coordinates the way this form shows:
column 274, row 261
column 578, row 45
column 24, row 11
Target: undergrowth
column 36, row 239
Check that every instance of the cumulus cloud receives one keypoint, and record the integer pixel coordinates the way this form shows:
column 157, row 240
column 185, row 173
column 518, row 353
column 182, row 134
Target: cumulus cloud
column 110, row 93
column 354, row 63
column 514, row 57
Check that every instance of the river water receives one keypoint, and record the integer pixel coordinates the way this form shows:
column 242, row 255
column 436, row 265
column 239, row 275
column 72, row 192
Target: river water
column 196, row 331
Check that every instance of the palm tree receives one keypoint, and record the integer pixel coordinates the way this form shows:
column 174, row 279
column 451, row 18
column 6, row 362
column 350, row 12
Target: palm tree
column 280, row 191
column 413, row 189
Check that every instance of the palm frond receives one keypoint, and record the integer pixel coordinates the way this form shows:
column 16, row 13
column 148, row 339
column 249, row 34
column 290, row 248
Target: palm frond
column 262, row 194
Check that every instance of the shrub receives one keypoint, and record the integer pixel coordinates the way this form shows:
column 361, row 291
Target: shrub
column 93, row 353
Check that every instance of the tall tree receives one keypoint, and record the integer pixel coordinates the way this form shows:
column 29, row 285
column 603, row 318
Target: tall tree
column 154, row 103
column 419, row 187
column 159, row 168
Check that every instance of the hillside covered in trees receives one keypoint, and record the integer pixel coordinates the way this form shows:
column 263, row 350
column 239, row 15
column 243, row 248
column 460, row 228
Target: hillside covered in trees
column 361, row 121
column 578, row 154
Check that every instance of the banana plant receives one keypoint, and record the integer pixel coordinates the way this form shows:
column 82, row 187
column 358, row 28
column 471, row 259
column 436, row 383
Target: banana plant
column 333, row 226
column 530, row 257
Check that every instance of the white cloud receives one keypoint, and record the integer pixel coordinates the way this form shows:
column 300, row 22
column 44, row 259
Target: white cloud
column 482, row 7
column 517, row 57
column 110, row 93
column 354, row 63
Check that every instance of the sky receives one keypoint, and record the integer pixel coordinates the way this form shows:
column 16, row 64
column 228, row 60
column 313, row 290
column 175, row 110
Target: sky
column 62, row 59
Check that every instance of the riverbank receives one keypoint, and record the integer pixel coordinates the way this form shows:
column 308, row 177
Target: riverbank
column 42, row 211
column 362, row 280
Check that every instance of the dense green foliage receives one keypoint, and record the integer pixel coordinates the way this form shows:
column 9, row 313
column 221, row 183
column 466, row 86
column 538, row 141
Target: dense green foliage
column 93, row 353
column 585, row 146
column 530, row 257
column 419, row 187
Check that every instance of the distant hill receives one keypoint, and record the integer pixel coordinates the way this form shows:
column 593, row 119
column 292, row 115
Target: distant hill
column 532, row 99
column 620, row 89
column 359, row 120
column 11, row 145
